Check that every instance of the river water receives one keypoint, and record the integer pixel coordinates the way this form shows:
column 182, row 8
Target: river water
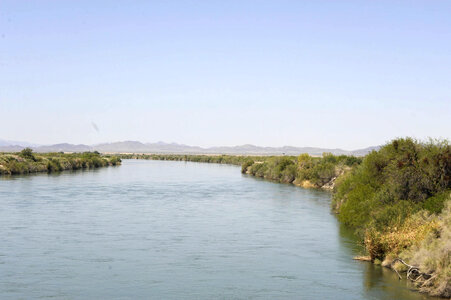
column 176, row 230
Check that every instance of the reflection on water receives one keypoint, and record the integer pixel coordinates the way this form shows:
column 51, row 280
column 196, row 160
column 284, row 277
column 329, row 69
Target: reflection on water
column 175, row 230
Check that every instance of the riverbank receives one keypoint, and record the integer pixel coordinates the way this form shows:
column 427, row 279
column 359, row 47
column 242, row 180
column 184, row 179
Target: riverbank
column 26, row 162
column 305, row 171
column 397, row 200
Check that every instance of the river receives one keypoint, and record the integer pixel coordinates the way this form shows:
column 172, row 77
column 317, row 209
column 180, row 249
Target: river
column 177, row 230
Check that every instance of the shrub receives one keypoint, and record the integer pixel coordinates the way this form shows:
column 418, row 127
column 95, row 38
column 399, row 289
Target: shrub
column 390, row 186
column 28, row 162
column 435, row 204
column 288, row 175
column 115, row 160
column 27, row 153
column 246, row 165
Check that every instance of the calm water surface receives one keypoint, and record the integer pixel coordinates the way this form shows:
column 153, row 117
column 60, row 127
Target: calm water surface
column 176, row 230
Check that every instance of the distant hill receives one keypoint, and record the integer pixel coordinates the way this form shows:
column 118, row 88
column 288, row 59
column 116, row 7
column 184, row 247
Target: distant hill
column 365, row 151
column 174, row 148
column 4, row 143
column 63, row 148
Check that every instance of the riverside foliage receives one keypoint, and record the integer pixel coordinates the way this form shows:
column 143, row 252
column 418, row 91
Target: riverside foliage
column 391, row 184
column 396, row 200
column 303, row 170
column 26, row 161
column 285, row 169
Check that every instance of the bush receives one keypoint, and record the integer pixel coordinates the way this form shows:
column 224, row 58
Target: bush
column 115, row 160
column 435, row 204
column 246, row 165
column 392, row 184
column 433, row 254
column 27, row 162
column 27, row 153
column 288, row 175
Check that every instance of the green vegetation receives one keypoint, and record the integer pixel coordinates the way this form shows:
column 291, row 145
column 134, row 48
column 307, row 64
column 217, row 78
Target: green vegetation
column 396, row 199
column 433, row 254
column 391, row 184
column 26, row 162
column 304, row 170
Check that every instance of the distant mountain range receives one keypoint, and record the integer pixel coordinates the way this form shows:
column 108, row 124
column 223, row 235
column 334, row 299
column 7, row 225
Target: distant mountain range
column 4, row 143
column 173, row 148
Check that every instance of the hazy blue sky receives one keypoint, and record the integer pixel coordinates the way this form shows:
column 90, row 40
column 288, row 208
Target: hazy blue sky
column 343, row 74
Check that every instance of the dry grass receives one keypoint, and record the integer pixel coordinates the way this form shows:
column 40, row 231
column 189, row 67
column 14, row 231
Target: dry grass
column 398, row 238
column 433, row 256
column 423, row 241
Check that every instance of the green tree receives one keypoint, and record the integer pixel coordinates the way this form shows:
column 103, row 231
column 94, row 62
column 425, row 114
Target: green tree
column 27, row 153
